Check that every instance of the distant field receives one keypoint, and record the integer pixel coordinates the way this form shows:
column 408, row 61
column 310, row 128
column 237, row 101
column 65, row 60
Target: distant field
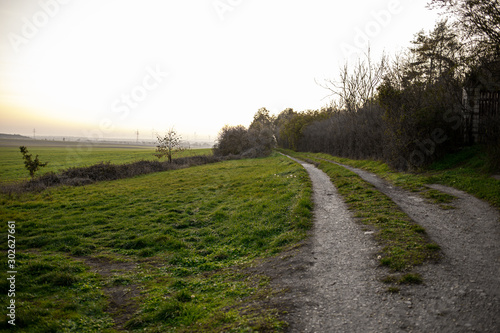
column 163, row 252
column 62, row 155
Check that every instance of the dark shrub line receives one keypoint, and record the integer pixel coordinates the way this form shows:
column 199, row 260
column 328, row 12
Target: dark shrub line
column 78, row 176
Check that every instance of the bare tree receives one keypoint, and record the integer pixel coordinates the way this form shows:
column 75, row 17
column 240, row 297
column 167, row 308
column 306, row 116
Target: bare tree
column 356, row 88
column 168, row 145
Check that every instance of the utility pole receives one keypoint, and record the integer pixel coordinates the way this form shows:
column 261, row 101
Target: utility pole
column 34, row 137
column 137, row 139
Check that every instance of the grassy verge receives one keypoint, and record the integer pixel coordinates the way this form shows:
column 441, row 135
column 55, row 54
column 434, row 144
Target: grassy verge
column 163, row 252
column 466, row 171
column 404, row 243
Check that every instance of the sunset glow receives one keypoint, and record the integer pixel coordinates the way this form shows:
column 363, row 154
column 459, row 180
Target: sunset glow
column 114, row 67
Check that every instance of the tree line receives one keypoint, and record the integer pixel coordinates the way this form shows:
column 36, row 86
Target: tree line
column 407, row 110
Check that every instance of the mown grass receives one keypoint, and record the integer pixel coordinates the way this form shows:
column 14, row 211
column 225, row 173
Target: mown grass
column 72, row 155
column 404, row 243
column 189, row 234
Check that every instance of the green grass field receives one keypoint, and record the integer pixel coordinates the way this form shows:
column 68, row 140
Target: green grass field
column 163, row 252
column 71, row 154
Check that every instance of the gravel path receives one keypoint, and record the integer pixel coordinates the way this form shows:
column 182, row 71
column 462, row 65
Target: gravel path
column 333, row 280
column 462, row 292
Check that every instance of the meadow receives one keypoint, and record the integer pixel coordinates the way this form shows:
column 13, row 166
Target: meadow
column 62, row 155
column 163, row 252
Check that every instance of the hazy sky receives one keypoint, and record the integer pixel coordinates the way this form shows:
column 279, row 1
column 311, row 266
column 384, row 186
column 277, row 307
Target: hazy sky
column 106, row 68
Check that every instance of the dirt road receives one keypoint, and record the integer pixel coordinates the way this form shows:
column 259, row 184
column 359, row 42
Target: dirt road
column 333, row 281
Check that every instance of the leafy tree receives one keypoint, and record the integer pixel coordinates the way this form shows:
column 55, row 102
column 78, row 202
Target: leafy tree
column 168, row 145
column 280, row 124
column 262, row 119
column 32, row 165
column 261, row 133
column 232, row 140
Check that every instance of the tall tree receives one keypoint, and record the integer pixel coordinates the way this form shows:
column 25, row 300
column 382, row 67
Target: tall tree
column 435, row 54
column 478, row 22
column 261, row 132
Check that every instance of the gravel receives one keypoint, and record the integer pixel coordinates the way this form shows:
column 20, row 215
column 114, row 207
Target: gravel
column 332, row 283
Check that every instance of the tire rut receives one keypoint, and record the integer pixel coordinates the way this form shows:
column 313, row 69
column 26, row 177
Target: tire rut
column 462, row 292
column 333, row 282
column 340, row 289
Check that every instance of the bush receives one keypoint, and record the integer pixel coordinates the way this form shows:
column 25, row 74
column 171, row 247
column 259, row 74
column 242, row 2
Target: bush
column 232, row 140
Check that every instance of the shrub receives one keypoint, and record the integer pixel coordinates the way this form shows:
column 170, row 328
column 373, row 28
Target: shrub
column 31, row 165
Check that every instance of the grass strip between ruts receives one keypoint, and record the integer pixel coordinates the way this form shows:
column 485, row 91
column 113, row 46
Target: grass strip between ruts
column 404, row 243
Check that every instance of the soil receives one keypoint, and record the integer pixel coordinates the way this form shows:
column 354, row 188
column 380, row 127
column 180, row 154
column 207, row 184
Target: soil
column 122, row 305
column 332, row 283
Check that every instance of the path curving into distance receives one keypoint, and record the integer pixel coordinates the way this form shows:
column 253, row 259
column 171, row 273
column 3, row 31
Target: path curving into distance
column 338, row 287
column 333, row 282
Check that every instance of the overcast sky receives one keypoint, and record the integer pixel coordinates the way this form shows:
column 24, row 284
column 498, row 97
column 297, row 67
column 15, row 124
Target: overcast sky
column 106, row 68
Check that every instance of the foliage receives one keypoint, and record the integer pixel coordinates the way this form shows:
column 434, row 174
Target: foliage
column 479, row 25
column 290, row 126
column 261, row 133
column 256, row 141
column 407, row 113
column 32, row 165
column 232, row 140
